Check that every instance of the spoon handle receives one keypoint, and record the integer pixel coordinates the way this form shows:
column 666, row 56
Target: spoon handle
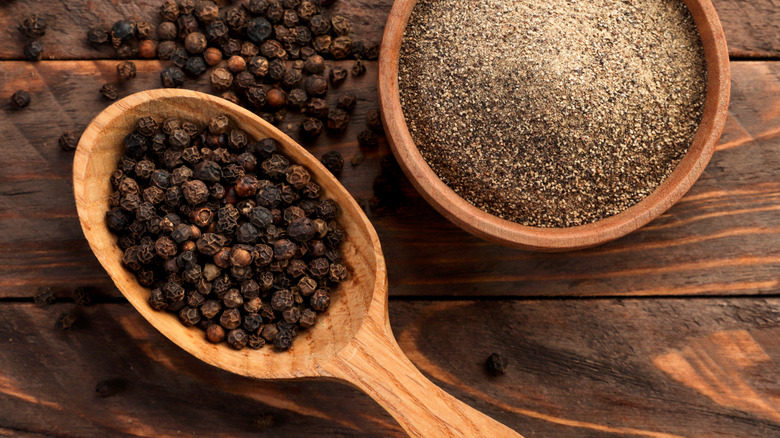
column 375, row 363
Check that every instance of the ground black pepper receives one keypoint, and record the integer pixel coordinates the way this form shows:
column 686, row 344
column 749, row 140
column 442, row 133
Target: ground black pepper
column 559, row 113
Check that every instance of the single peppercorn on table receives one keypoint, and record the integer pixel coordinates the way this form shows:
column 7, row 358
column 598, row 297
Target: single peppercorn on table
column 670, row 331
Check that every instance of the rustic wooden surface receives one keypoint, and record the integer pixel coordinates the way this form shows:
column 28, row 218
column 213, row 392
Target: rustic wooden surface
column 670, row 331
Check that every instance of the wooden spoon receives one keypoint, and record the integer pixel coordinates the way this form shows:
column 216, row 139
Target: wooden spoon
column 352, row 342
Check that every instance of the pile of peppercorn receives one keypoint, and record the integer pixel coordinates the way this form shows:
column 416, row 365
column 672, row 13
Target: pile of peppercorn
column 267, row 55
column 226, row 231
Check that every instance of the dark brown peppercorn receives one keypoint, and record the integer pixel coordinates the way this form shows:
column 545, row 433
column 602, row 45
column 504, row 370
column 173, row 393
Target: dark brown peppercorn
column 340, row 25
column 195, row 43
column 322, row 44
column 347, row 101
column 172, row 77
column 20, row 99
column 319, row 25
column 255, row 342
column 143, row 30
column 206, row 11
column 281, row 300
column 317, row 108
column 221, row 79
column 210, row 243
column 374, row 121
column 338, row 120
column 368, row 138
column 496, row 364
column 307, row 318
column 272, row 49
column 338, row 75
column 69, row 140
column 189, row 316
column 98, row 35
column 33, row 51
column 230, row 319
column 169, row 10
column 33, row 26
column 167, row 31
column 358, row 68
column 291, row 78
column 252, row 322
column 320, row 300
column 233, row 299
column 341, row 47
column 312, row 127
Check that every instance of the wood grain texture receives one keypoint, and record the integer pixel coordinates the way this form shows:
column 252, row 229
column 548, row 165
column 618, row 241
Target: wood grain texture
column 751, row 27
column 595, row 368
column 722, row 238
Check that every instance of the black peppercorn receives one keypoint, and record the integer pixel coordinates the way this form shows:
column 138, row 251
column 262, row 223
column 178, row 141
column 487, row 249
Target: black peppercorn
column 312, row 127
column 338, row 75
column 221, row 79
column 347, row 101
column 33, row 51
column 172, row 77
column 258, row 30
column 358, row 68
column 319, row 25
column 123, row 30
column 496, row 364
column 69, row 140
column 125, row 70
column 367, row 138
column 33, row 26
column 21, row 99
column 109, row 92
column 195, row 66
column 338, row 120
column 320, row 300
column 341, row 47
column 98, row 35
column 206, row 11
column 321, row 44
column 169, row 10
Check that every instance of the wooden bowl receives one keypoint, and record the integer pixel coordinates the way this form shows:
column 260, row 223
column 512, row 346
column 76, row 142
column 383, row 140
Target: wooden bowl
column 352, row 342
column 493, row 228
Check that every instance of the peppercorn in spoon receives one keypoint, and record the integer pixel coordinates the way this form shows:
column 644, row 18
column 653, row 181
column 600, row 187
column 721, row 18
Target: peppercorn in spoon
column 352, row 342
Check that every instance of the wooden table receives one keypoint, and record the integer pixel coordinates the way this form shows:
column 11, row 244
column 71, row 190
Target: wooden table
column 671, row 331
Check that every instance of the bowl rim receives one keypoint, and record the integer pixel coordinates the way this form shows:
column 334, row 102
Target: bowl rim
column 487, row 226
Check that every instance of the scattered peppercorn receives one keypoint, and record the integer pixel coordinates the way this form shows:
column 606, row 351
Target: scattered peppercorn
column 33, row 51
column 256, row 40
column 358, row 68
column 69, row 140
column 33, row 26
column 333, row 161
column 44, row 296
column 496, row 364
column 368, row 138
column 126, row 70
column 66, row 320
column 21, row 99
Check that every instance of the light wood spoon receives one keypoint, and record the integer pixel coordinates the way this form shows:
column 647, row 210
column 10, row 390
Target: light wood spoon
column 352, row 342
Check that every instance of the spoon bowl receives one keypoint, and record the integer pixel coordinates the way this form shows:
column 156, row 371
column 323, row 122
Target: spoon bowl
column 352, row 341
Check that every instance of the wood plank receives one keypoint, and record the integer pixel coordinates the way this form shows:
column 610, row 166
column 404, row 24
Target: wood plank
column 752, row 28
column 658, row 368
column 722, row 238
